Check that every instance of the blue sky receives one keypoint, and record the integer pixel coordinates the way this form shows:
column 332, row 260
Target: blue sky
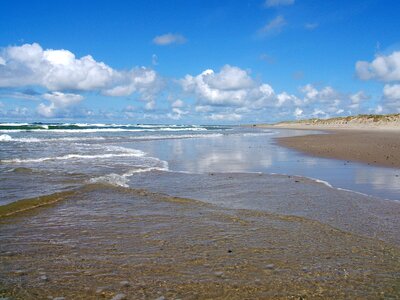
column 198, row 61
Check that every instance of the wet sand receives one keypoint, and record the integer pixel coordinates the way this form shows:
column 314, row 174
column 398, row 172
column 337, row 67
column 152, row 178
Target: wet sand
column 103, row 241
column 377, row 147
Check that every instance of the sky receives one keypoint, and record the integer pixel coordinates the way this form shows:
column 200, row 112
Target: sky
column 197, row 62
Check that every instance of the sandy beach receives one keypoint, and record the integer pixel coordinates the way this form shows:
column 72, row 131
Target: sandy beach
column 370, row 139
column 375, row 147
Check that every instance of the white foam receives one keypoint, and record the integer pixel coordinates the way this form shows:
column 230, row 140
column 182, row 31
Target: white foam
column 134, row 152
column 122, row 180
column 44, row 128
column 8, row 138
column 5, row 138
column 14, row 124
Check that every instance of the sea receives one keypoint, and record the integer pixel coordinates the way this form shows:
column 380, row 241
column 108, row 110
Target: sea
column 38, row 159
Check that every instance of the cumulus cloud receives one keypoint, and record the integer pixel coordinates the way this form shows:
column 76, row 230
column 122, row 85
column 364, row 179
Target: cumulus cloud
column 326, row 101
column 58, row 102
column 326, row 94
column 59, row 71
column 231, row 86
column 231, row 94
column 275, row 3
column 144, row 81
column 168, row 39
column 274, row 26
column 391, row 97
column 357, row 99
column 29, row 65
column 392, row 92
column 383, row 68
column 284, row 99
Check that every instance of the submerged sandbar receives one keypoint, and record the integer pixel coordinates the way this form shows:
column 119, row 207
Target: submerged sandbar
column 103, row 241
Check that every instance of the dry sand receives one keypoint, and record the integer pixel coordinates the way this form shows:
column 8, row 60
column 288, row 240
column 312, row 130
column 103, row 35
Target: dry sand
column 375, row 147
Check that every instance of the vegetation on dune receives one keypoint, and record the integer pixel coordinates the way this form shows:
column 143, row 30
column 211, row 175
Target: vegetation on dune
column 363, row 118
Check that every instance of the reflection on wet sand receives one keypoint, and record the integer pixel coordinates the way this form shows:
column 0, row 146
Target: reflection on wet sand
column 104, row 241
column 259, row 152
column 380, row 179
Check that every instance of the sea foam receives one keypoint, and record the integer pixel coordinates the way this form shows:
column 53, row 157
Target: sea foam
column 135, row 153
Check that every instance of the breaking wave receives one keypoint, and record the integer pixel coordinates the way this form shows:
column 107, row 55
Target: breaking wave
column 136, row 153
column 90, row 128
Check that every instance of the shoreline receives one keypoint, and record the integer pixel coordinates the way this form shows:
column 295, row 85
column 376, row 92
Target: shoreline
column 380, row 147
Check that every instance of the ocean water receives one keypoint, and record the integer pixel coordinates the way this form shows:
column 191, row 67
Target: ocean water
column 39, row 159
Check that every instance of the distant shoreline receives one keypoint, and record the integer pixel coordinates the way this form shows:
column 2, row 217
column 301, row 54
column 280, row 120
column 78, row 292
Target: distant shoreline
column 370, row 139
column 360, row 122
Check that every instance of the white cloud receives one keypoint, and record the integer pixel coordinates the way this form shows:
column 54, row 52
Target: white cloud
column 310, row 91
column 274, row 26
column 230, row 78
column 168, row 39
column 325, row 95
column 275, row 3
column 392, row 92
column 231, row 86
column 58, row 102
column 383, row 68
column 298, row 113
column 55, row 70
column 357, row 98
column 144, row 81
column 287, row 99
column 391, row 95
column 225, row 117
column 60, row 70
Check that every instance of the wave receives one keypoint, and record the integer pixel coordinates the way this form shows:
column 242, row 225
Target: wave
column 90, row 128
column 5, row 138
column 134, row 152
column 8, row 138
column 122, row 180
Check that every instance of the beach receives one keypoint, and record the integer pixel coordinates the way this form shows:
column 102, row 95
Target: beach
column 378, row 147
column 146, row 212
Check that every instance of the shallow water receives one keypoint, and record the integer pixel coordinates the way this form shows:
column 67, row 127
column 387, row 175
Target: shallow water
column 43, row 159
column 148, row 245
column 252, row 236
column 256, row 151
